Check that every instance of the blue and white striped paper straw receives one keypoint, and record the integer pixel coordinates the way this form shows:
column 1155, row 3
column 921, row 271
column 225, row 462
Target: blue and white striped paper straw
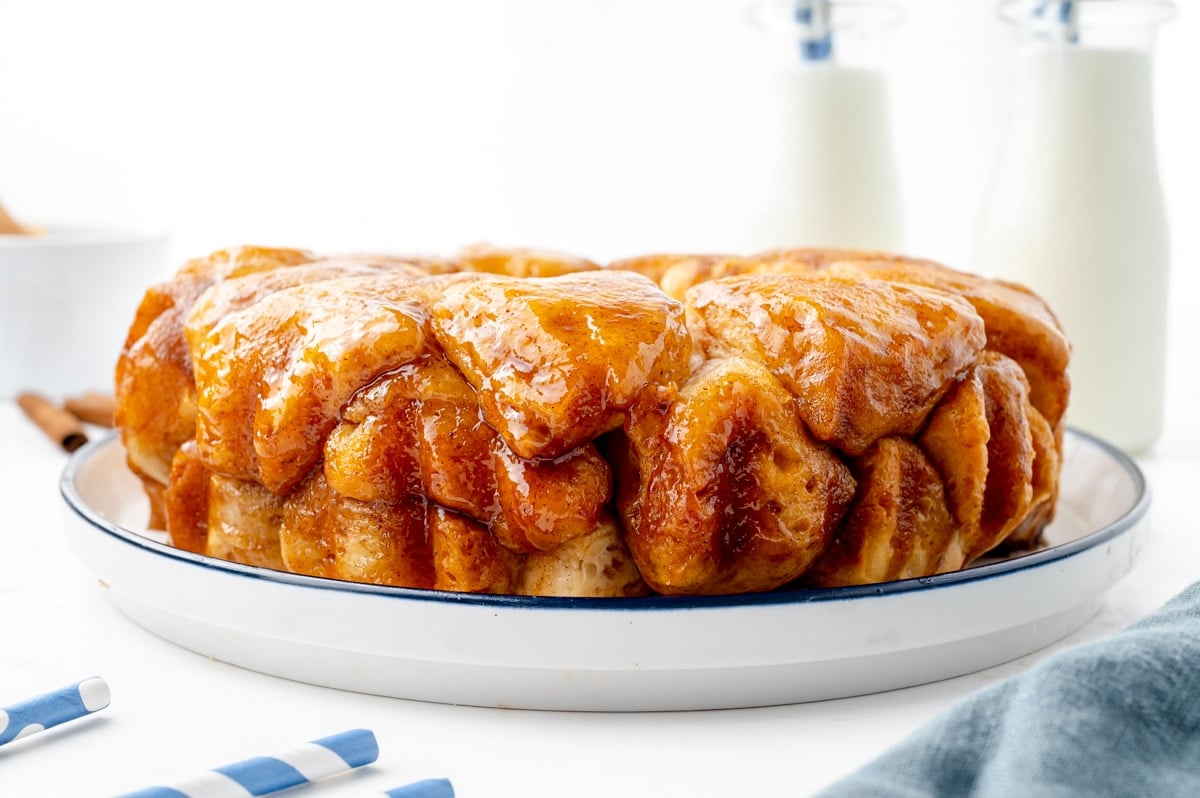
column 263, row 775
column 45, row 711
column 429, row 788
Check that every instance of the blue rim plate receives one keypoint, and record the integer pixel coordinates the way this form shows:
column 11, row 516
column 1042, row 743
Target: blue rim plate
column 615, row 654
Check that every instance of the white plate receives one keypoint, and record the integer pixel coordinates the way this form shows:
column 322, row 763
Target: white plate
column 614, row 654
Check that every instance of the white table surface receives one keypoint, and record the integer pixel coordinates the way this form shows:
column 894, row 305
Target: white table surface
column 174, row 712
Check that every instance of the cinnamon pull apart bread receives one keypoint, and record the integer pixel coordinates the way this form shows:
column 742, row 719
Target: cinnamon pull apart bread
column 525, row 422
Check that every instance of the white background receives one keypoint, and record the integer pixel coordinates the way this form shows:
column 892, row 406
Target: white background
column 604, row 128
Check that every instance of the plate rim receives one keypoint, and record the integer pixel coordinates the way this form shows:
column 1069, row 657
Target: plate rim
column 1034, row 559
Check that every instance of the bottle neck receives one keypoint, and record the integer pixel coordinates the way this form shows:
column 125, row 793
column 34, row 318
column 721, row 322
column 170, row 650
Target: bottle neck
column 1099, row 24
column 802, row 34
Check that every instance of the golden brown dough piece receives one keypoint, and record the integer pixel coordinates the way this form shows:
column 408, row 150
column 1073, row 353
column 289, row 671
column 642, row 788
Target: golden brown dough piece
column 272, row 378
column 419, row 430
column 380, row 542
column 864, row 358
column 520, row 262
column 156, row 397
column 546, row 502
column 1047, row 463
column 497, row 522
column 185, row 500
column 899, row 526
column 556, row 361
column 980, row 441
column 677, row 273
column 1018, row 322
column 728, row 494
column 156, row 394
column 468, row 558
column 220, row 516
column 238, row 293
column 597, row 564
column 243, row 522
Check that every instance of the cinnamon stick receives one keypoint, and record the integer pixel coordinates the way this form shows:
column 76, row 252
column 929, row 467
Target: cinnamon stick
column 92, row 407
column 59, row 425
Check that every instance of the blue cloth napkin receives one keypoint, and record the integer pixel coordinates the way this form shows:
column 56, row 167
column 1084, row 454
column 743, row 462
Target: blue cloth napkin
column 1114, row 717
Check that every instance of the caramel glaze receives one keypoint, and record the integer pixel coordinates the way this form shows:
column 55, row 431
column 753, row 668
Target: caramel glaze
column 154, row 388
column 1018, row 322
column 864, row 358
column 726, row 492
column 899, row 526
column 333, row 396
column 519, row 421
column 557, row 365
column 273, row 378
column 981, row 442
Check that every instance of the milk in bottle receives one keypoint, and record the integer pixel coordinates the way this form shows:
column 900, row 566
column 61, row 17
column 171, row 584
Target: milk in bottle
column 831, row 176
column 1075, row 210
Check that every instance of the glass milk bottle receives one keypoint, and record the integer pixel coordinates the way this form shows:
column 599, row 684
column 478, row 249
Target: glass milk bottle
column 1075, row 210
column 830, row 174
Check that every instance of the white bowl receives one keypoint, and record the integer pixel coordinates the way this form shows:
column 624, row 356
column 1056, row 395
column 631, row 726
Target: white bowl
column 67, row 298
